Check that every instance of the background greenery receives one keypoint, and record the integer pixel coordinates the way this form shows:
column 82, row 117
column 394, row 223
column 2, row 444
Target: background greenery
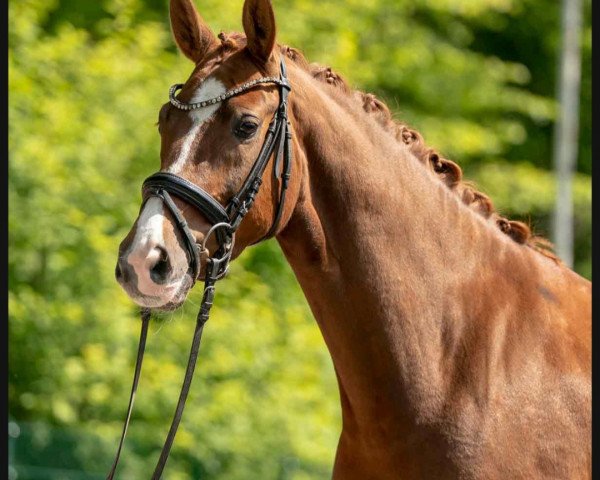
column 86, row 79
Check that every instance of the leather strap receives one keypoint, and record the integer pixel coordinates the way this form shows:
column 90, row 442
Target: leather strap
column 190, row 241
column 285, row 146
column 203, row 315
column 202, row 318
column 145, row 315
column 186, row 190
column 185, row 388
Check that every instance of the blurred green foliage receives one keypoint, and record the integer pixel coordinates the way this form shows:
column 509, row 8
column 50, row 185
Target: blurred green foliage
column 86, row 79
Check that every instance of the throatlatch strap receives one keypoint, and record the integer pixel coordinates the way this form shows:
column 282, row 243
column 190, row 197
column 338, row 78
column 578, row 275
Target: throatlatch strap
column 145, row 314
column 285, row 152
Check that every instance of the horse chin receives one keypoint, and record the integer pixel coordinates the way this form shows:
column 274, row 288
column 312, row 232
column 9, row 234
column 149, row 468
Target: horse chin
column 184, row 289
column 179, row 298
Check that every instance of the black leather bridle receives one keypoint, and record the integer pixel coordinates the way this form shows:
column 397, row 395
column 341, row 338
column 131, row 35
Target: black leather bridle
column 225, row 222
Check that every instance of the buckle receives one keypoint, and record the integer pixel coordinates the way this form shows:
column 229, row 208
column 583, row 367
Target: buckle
column 224, row 225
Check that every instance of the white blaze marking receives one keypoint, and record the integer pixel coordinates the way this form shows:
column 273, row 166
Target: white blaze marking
column 148, row 236
column 144, row 254
column 210, row 88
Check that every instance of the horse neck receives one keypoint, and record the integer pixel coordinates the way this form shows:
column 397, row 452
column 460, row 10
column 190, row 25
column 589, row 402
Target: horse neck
column 387, row 257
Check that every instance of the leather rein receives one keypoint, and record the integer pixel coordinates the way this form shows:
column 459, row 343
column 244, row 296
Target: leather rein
column 225, row 221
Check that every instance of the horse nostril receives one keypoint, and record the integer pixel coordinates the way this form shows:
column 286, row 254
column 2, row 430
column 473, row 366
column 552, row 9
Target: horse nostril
column 162, row 268
column 121, row 272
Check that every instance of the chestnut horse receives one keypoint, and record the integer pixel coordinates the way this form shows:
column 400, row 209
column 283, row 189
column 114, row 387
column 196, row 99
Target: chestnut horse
column 461, row 345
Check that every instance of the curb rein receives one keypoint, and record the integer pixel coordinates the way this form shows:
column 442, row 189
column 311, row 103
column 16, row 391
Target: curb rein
column 225, row 222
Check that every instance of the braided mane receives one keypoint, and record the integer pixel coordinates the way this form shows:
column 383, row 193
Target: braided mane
column 446, row 170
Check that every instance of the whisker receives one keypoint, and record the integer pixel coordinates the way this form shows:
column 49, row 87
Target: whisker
column 159, row 328
column 195, row 304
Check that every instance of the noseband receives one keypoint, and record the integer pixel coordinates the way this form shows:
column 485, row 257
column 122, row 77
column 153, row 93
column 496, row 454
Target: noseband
column 224, row 220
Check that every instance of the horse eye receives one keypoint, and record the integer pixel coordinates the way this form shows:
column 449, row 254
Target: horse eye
column 245, row 128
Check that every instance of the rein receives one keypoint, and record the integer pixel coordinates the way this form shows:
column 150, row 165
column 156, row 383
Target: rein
column 225, row 222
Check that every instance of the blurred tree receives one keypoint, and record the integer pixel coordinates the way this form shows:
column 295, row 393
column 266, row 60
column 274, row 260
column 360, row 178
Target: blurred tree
column 86, row 80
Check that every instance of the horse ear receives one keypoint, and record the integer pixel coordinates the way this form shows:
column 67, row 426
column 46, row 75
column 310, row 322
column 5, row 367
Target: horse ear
column 259, row 25
column 193, row 36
